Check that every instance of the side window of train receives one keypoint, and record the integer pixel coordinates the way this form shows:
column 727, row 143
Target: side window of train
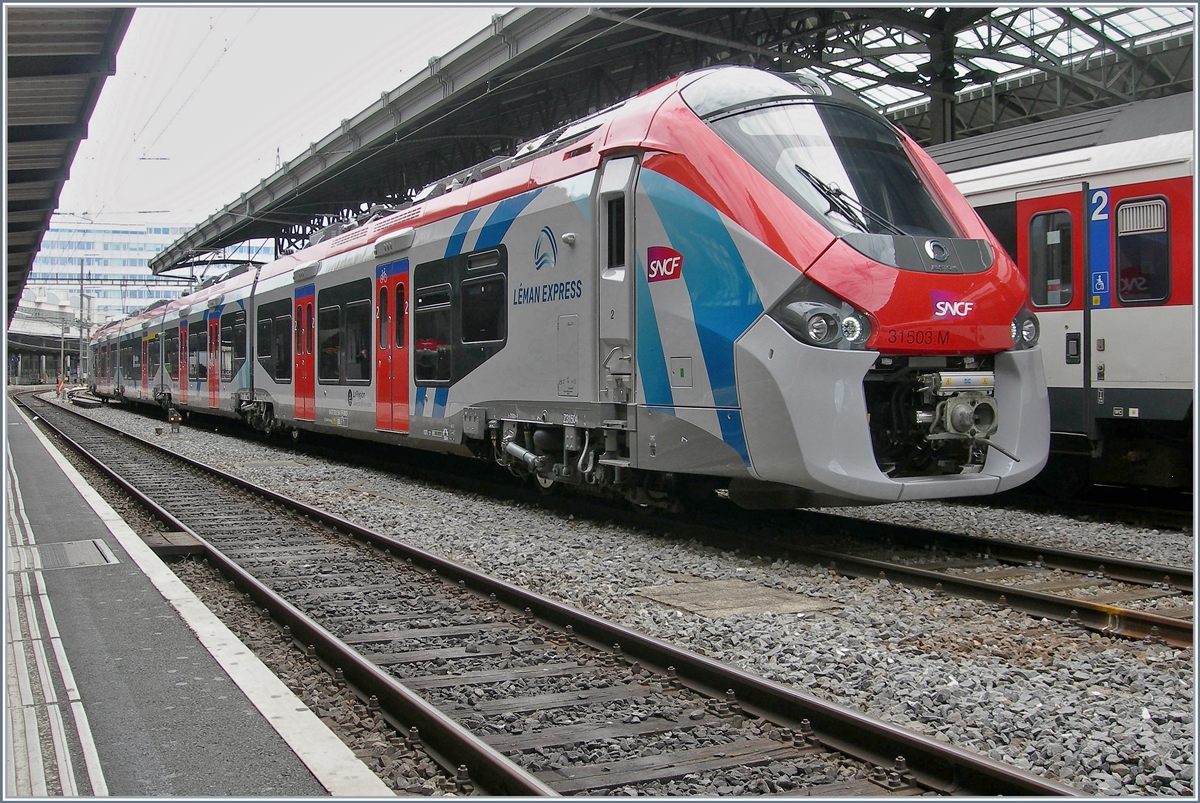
column 344, row 333
column 198, row 355
column 233, row 344
column 154, row 355
column 273, row 345
column 283, row 345
column 382, row 311
column 401, row 315
column 460, row 314
column 1143, row 252
column 171, row 353
column 1050, row 266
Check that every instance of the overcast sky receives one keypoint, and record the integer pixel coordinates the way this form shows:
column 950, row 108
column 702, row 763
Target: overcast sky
column 204, row 98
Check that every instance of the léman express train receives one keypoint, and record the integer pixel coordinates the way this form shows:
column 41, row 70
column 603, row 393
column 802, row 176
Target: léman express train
column 736, row 279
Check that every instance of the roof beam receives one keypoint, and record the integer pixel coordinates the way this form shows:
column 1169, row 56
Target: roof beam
column 60, row 66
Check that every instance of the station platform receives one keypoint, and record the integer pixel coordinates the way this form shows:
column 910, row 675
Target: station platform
column 120, row 682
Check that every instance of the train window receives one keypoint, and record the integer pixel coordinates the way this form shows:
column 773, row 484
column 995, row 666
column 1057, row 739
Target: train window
column 171, row 354
column 283, row 348
column 616, row 232
column 344, row 336
column 299, row 332
column 431, row 332
column 329, row 319
column 308, row 328
column 483, row 309
column 273, row 343
column 265, row 338
column 358, row 342
column 1050, row 262
column 154, row 356
column 382, row 312
column 1143, row 252
column 401, row 318
column 198, row 355
column 233, row 344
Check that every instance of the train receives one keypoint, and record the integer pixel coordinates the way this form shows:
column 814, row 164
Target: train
column 738, row 282
column 1098, row 211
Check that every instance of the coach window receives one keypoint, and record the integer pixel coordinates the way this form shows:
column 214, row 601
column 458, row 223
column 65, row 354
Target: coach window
column 329, row 319
column 431, row 333
column 1143, row 252
column 233, row 344
column 198, row 355
column 1050, row 283
column 344, row 333
column 383, row 338
column 171, row 353
column 283, row 347
column 308, row 328
column 154, row 355
column 483, row 317
column 401, row 318
column 273, row 347
column 616, row 232
column 264, row 342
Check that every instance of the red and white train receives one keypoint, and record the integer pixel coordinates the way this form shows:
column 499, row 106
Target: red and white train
column 1098, row 211
column 735, row 279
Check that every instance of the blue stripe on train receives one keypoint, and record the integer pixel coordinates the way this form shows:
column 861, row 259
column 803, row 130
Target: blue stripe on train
column 652, row 363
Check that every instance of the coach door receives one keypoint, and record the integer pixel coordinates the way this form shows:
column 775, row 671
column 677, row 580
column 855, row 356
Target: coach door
column 214, row 358
column 1052, row 246
column 305, row 378
column 617, row 280
column 145, row 383
column 391, row 348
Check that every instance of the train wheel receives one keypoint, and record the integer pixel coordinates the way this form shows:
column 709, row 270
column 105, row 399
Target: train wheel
column 545, row 485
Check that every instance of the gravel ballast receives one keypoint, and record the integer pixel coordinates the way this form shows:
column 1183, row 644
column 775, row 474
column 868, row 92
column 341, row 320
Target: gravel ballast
column 1106, row 716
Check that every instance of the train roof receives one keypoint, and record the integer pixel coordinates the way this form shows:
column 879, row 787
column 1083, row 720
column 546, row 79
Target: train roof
column 1132, row 121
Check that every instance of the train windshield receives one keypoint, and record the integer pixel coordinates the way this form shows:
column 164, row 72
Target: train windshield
column 846, row 168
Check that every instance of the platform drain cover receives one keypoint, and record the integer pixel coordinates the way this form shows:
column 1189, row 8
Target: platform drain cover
column 714, row 598
column 66, row 555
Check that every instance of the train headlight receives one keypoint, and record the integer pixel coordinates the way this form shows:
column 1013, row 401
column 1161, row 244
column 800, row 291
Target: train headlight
column 813, row 315
column 1025, row 329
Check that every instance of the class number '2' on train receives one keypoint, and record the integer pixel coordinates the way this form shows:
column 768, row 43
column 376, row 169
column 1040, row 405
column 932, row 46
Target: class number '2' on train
column 1098, row 210
column 736, row 279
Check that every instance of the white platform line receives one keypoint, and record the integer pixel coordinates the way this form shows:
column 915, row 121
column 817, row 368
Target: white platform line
column 327, row 757
column 58, row 734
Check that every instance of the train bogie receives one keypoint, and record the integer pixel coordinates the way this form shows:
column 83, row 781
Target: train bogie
column 672, row 295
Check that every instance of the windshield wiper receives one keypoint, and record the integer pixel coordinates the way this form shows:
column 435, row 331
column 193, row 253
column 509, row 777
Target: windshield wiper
column 847, row 206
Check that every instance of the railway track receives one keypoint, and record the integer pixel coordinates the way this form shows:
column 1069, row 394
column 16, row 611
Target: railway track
column 514, row 693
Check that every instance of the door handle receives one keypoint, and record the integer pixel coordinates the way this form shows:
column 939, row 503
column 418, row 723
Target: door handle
column 1074, row 348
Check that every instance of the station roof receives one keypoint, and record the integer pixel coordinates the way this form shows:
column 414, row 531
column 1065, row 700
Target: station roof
column 58, row 61
column 939, row 73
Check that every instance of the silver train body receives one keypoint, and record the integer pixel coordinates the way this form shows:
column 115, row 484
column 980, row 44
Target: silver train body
column 630, row 307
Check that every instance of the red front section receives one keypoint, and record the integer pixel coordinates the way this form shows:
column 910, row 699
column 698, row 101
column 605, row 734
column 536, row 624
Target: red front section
column 911, row 312
column 303, row 370
column 391, row 348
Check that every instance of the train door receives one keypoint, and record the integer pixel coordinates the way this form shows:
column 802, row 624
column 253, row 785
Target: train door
column 617, row 382
column 1051, row 247
column 184, row 365
column 1141, row 248
column 145, row 378
column 214, row 359
column 391, row 352
column 305, row 384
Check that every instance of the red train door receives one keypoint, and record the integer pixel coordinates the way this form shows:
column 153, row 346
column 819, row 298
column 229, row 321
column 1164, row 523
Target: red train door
column 145, row 368
column 305, row 378
column 185, row 383
column 214, row 360
column 391, row 353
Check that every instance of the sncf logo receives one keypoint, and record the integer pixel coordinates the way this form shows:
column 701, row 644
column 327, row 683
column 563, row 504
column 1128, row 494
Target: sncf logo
column 946, row 306
column 664, row 263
